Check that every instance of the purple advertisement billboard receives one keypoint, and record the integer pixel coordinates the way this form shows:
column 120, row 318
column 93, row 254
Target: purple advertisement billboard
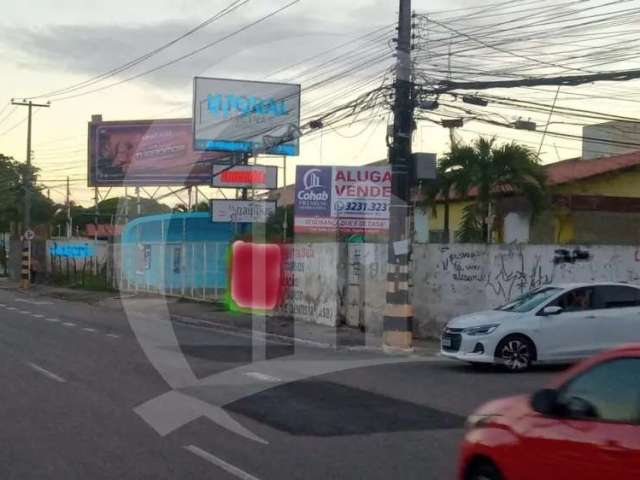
column 146, row 152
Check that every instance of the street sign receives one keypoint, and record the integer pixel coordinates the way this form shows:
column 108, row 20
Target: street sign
column 241, row 211
column 260, row 177
column 29, row 235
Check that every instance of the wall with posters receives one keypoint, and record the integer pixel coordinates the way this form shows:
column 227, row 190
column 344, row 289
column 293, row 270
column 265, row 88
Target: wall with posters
column 312, row 283
column 343, row 199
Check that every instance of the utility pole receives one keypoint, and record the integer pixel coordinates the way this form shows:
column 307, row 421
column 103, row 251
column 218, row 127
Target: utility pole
column 398, row 314
column 28, row 179
column 68, row 205
column 138, row 205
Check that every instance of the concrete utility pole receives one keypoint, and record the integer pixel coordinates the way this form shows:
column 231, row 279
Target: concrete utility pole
column 398, row 314
column 28, row 187
column 69, row 232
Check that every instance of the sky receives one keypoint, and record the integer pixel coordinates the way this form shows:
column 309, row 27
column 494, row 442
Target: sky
column 47, row 45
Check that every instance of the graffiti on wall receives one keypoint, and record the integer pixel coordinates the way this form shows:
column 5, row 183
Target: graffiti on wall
column 505, row 272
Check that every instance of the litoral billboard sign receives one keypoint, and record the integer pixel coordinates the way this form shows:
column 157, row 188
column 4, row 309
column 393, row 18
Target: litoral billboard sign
column 146, row 152
column 344, row 199
column 260, row 177
column 241, row 211
column 245, row 116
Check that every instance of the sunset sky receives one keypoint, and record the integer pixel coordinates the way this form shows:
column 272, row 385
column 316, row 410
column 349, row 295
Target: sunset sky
column 48, row 45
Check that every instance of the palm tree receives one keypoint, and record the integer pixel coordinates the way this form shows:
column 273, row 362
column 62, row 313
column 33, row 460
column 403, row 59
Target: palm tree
column 484, row 172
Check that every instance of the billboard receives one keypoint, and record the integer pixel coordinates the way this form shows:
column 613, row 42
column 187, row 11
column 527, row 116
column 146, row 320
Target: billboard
column 245, row 116
column 342, row 199
column 241, row 211
column 260, row 177
column 146, row 152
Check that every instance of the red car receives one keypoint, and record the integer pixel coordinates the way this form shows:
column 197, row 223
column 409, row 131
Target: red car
column 585, row 426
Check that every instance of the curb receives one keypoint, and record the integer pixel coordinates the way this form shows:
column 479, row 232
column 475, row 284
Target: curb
column 198, row 322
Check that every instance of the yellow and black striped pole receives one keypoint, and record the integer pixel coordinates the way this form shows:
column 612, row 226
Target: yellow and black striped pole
column 398, row 313
column 25, row 276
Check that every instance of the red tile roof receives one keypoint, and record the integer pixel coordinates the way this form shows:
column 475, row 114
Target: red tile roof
column 575, row 169
column 104, row 230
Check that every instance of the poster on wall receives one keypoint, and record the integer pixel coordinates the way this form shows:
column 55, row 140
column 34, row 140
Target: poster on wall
column 246, row 116
column 146, row 152
column 342, row 199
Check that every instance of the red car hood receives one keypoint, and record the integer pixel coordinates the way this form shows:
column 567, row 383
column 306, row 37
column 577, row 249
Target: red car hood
column 506, row 408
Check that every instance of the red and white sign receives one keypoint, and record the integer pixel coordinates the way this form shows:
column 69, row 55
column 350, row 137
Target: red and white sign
column 260, row 177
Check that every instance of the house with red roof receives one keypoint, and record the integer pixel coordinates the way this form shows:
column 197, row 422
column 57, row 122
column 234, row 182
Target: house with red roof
column 592, row 202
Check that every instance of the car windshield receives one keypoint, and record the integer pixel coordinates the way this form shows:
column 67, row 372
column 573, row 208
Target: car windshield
column 530, row 300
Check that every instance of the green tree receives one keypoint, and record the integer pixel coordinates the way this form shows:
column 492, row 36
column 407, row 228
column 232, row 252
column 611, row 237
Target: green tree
column 12, row 192
column 484, row 171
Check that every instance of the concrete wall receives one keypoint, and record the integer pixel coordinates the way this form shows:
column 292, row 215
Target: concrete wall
column 314, row 287
column 457, row 279
column 80, row 250
column 365, row 296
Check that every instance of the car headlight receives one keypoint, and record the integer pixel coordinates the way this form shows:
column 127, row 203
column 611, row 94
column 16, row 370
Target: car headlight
column 479, row 420
column 481, row 330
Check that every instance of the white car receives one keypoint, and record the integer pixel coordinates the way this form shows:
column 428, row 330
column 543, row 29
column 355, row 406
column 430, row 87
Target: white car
column 553, row 324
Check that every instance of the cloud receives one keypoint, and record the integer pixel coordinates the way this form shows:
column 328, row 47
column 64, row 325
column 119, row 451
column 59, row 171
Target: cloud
column 88, row 50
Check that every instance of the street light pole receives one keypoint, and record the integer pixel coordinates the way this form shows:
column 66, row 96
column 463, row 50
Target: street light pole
column 398, row 313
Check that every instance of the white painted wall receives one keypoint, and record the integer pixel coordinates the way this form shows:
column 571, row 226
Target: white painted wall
column 516, row 227
column 312, row 283
column 457, row 279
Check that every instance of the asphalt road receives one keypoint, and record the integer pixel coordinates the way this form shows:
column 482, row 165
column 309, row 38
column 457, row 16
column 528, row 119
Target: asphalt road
column 96, row 393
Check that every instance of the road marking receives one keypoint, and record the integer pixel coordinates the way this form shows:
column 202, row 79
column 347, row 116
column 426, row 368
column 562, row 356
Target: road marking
column 33, row 302
column 11, row 308
column 52, row 320
column 24, row 312
column 92, row 330
column 37, row 315
column 68, row 324
column 233, row 470
column 46, row 373
column 113, row 335
column 2, row 305
column 263, row 376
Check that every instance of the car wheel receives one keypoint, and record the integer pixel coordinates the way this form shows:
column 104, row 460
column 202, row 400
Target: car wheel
column 483, row 471
column 515, row 353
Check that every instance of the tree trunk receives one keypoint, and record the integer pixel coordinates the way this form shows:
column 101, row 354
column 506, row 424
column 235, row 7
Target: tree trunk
column 446, row 219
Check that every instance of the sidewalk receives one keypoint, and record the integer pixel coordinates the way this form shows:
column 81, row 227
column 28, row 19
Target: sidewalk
column 210, row 315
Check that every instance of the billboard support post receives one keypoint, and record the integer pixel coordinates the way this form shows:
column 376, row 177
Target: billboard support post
column 285, row 221
column 96, row 200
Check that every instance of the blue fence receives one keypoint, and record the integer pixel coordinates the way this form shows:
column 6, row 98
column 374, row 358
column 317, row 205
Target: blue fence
column 180, row 254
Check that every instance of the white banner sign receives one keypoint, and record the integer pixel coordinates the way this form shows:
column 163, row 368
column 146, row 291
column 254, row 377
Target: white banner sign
column 241, row 211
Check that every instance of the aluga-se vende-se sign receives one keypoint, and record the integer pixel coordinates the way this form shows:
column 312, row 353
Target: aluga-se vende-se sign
column 245, row 116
